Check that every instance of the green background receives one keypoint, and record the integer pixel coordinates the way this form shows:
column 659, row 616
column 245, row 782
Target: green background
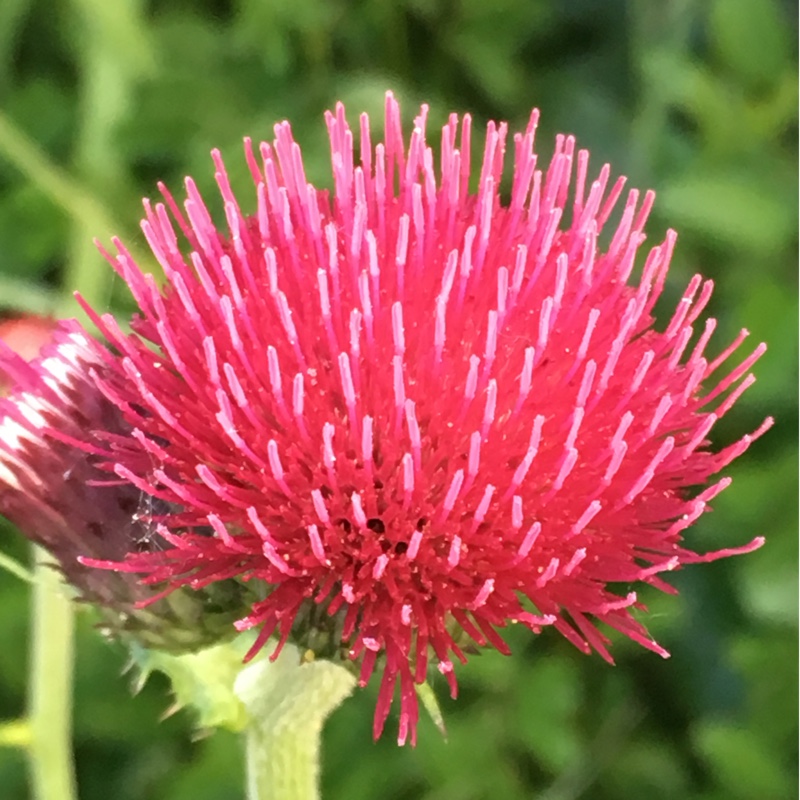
column 100, row 99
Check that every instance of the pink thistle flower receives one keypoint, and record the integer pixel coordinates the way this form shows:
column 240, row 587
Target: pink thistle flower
column 47, row 486
column 59, row 496
column 420, row 411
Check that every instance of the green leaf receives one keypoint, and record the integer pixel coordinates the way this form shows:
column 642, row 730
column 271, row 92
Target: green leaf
column 546, row 713
column 751, row 38
column 736, row 211
column 27, row 208
column 50, row 129
column 12, row 17
column 741, row 763
column 202, row 681
column 431, row 705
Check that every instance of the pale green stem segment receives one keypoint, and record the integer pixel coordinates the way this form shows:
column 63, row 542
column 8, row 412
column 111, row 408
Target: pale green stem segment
column 287, row 702
column 50, row 686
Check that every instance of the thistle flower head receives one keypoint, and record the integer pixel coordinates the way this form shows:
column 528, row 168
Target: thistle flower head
column 47, row 485
column 411, row 414
column 53, row 488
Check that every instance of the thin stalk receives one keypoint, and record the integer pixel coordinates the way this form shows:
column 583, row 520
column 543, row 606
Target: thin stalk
column 288, row 701
column 13, row 566
column 50, row 686
column 61, row 187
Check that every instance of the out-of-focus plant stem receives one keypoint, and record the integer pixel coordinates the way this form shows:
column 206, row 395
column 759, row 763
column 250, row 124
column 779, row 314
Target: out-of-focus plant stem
column 50, row 686
column 61, row 187
column 13, row 566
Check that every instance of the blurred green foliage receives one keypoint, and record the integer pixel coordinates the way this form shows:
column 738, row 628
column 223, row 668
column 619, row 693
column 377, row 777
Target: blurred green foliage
column 695, row 98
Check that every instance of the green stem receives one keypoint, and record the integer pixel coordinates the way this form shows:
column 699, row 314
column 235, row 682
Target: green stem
column 15, row 568
column 287, row 702
column 61, row 187
column 50, row 686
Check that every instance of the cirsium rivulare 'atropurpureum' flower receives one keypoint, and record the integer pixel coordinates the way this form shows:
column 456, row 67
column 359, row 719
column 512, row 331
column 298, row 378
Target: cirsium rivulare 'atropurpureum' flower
column 423, row 412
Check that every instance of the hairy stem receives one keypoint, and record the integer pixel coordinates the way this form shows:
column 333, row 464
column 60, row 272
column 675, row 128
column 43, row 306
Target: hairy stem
column 288, row 701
